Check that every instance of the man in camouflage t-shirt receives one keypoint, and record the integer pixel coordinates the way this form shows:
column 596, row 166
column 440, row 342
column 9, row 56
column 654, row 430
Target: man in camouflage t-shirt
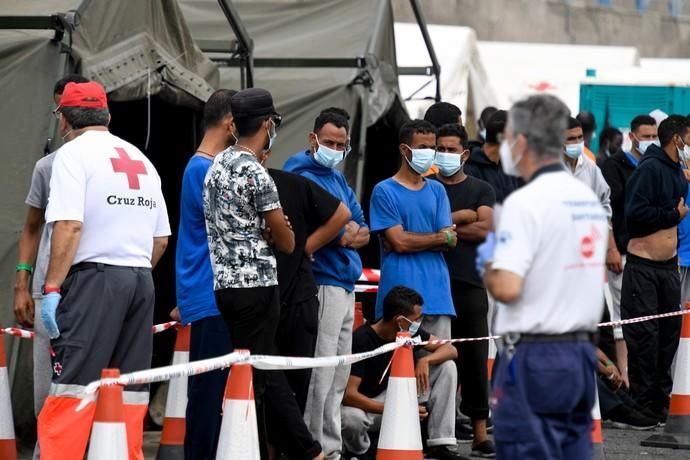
column 241, row 205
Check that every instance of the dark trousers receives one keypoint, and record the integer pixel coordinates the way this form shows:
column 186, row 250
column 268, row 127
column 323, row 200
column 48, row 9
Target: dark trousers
column 209, row 338
column 610, row 399
column 650, row 288
column 471, row 307
column 544, row 397
column 252, row 316
column 105, row 320
column 297, row 331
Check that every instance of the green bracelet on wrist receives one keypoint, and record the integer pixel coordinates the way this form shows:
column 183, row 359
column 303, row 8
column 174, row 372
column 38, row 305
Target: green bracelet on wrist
column 449, row 236
column 25, row 267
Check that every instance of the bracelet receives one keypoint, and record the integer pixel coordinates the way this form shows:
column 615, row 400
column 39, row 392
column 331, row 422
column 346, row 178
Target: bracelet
column 25, row 267
column 449, row 236
column 609, row 363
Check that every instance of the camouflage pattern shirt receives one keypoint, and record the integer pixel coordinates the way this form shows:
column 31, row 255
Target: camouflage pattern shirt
column 237, row 190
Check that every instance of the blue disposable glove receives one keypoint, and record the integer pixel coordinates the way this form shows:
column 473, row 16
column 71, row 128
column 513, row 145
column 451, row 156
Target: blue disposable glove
column 48, row 308
column 485, row 252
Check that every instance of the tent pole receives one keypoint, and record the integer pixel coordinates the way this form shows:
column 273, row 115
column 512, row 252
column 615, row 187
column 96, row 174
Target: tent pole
column 429, row 45
column 245, row 45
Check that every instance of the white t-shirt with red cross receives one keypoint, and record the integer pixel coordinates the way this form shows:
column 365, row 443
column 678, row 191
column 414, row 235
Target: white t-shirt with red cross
column 113, row 189
column 553, row 233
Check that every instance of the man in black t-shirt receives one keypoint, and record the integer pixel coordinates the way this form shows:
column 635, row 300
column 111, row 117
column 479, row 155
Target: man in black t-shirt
column 316, row 217
column 366, row 387
column 471, row 205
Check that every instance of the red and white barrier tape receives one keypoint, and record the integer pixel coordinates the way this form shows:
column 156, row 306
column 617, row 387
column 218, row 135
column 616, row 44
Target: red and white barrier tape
column 366, row 288
column 369, row 275
column 164, row 327
column 15, row 331
column 641, row 319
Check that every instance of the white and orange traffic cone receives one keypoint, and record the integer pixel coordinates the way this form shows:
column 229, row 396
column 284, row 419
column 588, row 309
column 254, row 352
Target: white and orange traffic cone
column 239, row 435
column 597, row 434
column 109, row 432
column 359, row 316
column 491, row 359
column 401, row 435
column 8, row 446
column 172, row 438
column 677, row 430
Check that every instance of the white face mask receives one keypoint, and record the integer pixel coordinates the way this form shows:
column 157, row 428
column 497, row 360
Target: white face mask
column 508, row 165
column 644, row 145
column 685, row 153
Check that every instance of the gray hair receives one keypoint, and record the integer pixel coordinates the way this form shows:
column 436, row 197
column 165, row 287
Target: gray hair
column 543, row 120
column 81, row 117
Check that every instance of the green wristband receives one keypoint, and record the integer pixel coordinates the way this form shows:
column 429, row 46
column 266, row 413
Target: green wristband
column 449, row 236
column 26, row 267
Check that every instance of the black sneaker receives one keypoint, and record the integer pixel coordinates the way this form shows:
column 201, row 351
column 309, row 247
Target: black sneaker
column 624, row 417
column 444, row 453
column 484, row 449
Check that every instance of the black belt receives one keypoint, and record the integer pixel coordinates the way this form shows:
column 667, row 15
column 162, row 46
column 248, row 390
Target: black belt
column 81, row 266
column 578, row 336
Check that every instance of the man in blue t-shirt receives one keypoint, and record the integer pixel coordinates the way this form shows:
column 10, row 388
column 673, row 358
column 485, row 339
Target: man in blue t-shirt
column 336, row 267
column 194, row 284
column 412, row 217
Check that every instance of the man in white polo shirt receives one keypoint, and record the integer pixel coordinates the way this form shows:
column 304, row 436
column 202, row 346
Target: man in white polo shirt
column 545, row 267
column 109, row 227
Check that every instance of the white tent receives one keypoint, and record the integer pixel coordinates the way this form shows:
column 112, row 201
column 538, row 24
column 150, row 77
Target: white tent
column 517, row 70
column 463, row 79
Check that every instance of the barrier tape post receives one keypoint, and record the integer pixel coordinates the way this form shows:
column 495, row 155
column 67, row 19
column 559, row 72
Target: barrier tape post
column 8, row 445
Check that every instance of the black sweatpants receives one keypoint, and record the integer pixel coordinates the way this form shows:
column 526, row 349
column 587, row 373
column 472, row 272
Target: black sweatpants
column 252, row 316
column 105, row 319
column 297, row 332
column 650, row 288
column 209, row 338
column 471, row 307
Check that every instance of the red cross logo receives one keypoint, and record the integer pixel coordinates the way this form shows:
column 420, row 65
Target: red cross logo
column 126, row 165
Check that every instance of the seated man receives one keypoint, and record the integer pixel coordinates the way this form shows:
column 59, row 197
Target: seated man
column 366, row 387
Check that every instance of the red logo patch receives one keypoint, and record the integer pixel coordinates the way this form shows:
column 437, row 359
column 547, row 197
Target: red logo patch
column 587, row 247
column 126, row 165
column 57, row 368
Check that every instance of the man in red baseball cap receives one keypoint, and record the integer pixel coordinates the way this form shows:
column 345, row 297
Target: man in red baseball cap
column 109, row 228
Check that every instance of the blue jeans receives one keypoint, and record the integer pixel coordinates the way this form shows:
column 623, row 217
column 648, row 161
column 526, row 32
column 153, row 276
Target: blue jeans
column 210, row 338
column 543, row 401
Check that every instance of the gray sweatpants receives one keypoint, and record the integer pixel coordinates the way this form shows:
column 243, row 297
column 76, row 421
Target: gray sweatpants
column 327, row 384
column 440, row 402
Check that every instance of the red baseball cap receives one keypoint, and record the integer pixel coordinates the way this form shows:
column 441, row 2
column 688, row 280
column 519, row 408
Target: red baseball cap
column 88, row 95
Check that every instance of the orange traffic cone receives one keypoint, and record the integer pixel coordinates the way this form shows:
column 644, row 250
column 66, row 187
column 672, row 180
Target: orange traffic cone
column 109, row 433
column 359, row 316
column 239, row 436
column 172, row 438
column 490, row 360
column 597, row 436
column 677, row 431
column 8, row 446
column 401, row 436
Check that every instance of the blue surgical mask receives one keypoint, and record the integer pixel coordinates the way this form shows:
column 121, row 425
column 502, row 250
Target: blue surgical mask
column 448, row 163
column 422, row 159
column 414, row 326
column 482, row 133
column 644, row 145
column 328, row 157
column 574, row 150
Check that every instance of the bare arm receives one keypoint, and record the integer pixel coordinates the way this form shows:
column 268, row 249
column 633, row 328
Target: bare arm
column 476, row 232
column 503, row 285
column 329, row 230
column 409, row 242
column 282, row 235
column 28, row 248
column 464, row 217
column 361, row 238
column 160, row 243
column 63, row 247
column 354, row 398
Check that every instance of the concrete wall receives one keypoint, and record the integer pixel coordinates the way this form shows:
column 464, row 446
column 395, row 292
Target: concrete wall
column 654, row 33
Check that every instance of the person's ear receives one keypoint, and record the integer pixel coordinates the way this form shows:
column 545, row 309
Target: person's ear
column 465, row 155
column 404, row 149
column 313, row 141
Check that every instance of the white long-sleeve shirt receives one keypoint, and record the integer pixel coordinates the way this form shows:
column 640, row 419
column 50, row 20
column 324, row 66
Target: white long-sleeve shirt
column 589, row 173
